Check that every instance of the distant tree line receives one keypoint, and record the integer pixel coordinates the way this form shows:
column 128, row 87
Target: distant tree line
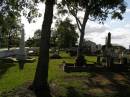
column 64, row 36
column 9, row 40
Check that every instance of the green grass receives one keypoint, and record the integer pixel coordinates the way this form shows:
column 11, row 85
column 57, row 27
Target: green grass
column 63, row 80
column 12, row 77
column 91, row 59
column 76, row 84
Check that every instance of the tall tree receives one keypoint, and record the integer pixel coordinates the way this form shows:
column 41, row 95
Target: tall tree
column 30, row 42
column 10, row 15
column 66, row 31
column 36, row 37
column 35, row 40
column 93, row 10
column 37, row 34
column 40, row 83
column 13, row 9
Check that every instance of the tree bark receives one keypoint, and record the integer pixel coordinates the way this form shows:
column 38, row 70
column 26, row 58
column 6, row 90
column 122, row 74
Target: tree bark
column 80, row 60
column 82, row 32
column 40, row 83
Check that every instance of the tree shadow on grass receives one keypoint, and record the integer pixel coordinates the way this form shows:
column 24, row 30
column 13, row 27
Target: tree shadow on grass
column 103, row 84
column 120, row 83
column 73, row 92
column 126, row 75
column 4, row 66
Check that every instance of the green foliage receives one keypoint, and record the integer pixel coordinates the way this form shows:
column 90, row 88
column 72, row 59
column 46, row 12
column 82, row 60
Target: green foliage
column 35, row 40
column 10, row 18
column 37, row 34
column 11, row 11
column 93, row 10
column 65, row 35
column 30, row 42
column 11, row 39
column 96, row 9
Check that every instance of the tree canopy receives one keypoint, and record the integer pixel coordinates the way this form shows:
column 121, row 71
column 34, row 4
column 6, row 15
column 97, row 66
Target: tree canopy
column 96, row 9
column 65, row 35
column 35, row 40
column 12, row 10
column 93, row 10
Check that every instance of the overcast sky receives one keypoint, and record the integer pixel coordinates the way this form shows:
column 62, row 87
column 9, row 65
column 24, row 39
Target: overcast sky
column 95, row 32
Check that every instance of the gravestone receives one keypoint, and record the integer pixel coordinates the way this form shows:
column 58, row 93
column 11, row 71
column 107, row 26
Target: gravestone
column 21, row 53
column 124, row 60
column 108, row 52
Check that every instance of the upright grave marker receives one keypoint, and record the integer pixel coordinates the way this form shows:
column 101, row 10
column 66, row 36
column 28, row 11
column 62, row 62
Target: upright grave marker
column 22, row 54
column 108, row 51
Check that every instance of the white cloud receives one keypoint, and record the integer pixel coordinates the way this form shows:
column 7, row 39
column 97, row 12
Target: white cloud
column 127, row 10
column 96, row 28
column 120, row 35
column 127, row 26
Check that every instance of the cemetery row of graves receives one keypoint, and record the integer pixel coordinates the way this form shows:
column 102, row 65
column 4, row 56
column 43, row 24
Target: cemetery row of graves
column 64, row 71
column 108, row 58
column 90, row 83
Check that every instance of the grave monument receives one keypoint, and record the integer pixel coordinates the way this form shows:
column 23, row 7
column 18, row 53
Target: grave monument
column 21, row 57
column 108, row 52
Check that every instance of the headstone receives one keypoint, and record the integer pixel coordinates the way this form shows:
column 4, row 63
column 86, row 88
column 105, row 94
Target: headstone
column 109, row 40
column 22, row 54
column 108, row 51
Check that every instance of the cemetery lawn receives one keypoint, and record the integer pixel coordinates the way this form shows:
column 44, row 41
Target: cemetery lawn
column 62, row 84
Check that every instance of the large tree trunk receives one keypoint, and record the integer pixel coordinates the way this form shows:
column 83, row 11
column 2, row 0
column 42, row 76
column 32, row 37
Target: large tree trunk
column 40, row 83
column 80, row 60
column 82, row 32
